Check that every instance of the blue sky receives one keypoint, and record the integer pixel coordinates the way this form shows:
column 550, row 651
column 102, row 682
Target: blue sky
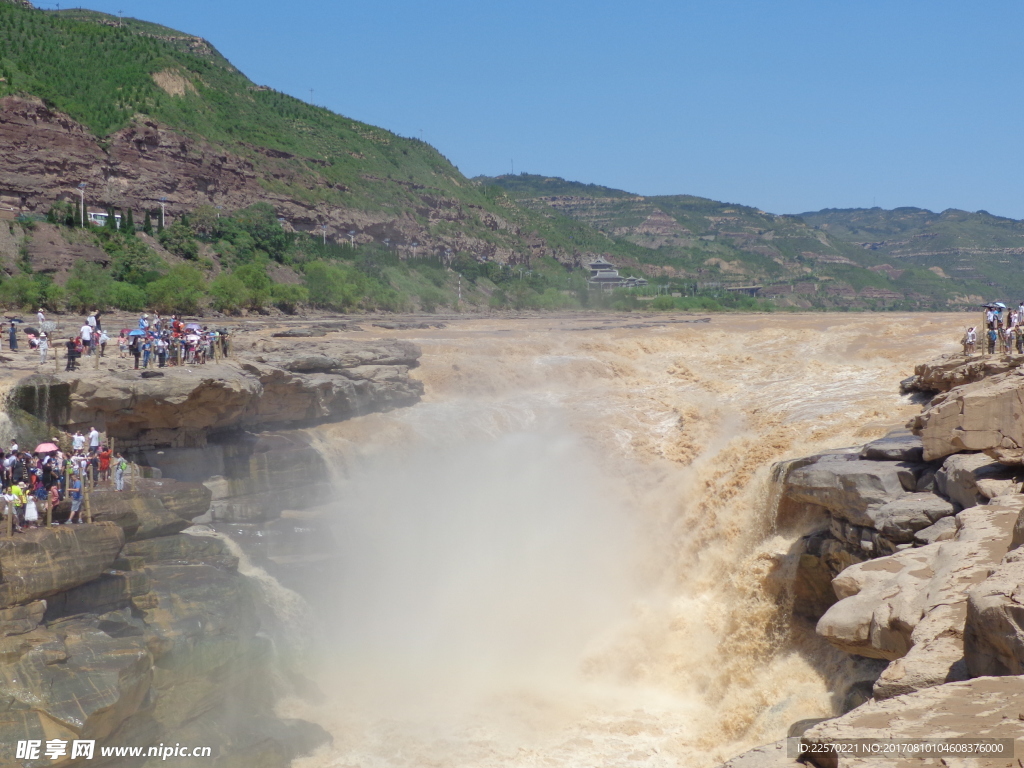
column 788, row 105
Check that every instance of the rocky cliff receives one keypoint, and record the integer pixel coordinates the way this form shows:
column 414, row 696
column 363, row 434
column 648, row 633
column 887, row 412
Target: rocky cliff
column 914, row 558
column 129, row 632
column 233, row 425
column 45, row 155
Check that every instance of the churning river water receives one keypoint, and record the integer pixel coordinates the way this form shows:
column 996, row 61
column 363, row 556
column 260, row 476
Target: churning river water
column 565, row 555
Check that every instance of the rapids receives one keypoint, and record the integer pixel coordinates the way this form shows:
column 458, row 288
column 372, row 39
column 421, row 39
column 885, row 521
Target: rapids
column 565, row 555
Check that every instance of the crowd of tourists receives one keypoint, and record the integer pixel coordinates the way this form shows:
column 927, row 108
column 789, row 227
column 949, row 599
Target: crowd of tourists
column 1003, row 332
column 155, row 342
column 33, row 482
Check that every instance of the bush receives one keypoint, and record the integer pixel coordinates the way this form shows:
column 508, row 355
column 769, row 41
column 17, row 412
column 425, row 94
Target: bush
column 128, row 297
column 334, row 286
column 431, row 299
column 88, row 287
column 254, row 277
column 287, row 297
column 229, row 293
column 180, row 290
column 180, row 240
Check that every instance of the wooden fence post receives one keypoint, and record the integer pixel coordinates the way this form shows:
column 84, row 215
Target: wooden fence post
column 88, row 506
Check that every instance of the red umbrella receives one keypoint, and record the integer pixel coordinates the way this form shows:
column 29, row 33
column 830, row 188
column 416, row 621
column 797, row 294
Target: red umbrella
column 46, row 448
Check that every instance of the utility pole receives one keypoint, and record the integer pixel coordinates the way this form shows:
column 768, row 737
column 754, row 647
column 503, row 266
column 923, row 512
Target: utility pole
column 415, row 245
column 81, row 192
column 119, row 19
column 448, row 256
column 352, row 238
column 323, row 228
column 163, row 217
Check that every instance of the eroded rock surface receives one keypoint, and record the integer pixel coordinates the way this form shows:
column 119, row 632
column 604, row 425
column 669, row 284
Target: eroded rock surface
column 986, row 707
column 912, row 606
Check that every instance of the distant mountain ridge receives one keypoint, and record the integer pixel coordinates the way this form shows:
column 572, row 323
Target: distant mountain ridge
column 144, row 114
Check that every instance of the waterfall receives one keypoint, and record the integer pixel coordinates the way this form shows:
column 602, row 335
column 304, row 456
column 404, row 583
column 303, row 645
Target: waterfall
column 567, row 553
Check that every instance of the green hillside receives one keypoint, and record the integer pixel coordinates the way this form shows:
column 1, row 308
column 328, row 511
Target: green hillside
column 511, row 241
column 826, row 260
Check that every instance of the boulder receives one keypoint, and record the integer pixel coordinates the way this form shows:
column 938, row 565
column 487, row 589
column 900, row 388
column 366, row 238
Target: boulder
column 912, row 605
column 898, row 445
column 994, row 631
column 73, row 682
column 45, row 561
column 901, row 519
column 986, row 707
column 987, row 415
column 19, row 619
column 949, row 371
column 943, row 529
column 972, row 478
column 849, row 490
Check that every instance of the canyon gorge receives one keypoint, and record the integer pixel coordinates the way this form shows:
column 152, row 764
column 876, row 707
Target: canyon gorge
column 569, row 540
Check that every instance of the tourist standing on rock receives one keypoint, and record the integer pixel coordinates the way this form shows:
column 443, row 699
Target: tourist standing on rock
column 104, row 457
column 143, row 322
column 161, row 351
column 40, row 318
column 78, row 441
column 122, row 344
column 99, row 325
column 86, row 334
column 91, row 321
column 135, row 347
column 970, row 341
column 18, row 490
column 147, row 349
column 76, row 500
column 44, row 345
column 120, row 466
column 94, row 440
column 72, row 347
column 103, row 339
column 14, row 337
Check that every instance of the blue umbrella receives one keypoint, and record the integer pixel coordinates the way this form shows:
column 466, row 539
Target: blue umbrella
column 136, row 332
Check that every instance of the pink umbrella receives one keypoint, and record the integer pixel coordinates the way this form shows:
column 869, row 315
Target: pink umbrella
column 46, row 448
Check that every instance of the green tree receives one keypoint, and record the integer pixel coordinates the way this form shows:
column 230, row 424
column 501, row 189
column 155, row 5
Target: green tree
column 129, row 226
column 127, row 297
column 180, row 290
column 180, row 240
column 257, row 283
column 88, row 287
column 110, row 225
column 228, row 293
column 147, row 224
column 287, row 297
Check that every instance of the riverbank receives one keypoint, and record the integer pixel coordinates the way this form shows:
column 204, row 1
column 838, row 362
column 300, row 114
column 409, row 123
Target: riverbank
column 913, row 559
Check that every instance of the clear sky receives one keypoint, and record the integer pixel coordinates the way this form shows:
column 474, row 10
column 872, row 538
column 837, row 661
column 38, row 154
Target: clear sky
column 788, row 105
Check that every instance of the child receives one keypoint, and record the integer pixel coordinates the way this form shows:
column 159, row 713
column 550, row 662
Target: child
column 31, row 512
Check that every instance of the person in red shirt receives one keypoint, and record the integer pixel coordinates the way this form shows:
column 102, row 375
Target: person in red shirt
column 104, row 457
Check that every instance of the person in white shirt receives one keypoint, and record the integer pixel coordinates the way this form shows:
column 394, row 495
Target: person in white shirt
column 94, row 440
column 78, row 441
column 41, row 318
column 86, row 333
column 91, row 320
column 102, row 341
column 44, row 344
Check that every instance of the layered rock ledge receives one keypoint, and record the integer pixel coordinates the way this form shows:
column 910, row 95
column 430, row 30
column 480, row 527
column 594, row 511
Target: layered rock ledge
column 914, row 557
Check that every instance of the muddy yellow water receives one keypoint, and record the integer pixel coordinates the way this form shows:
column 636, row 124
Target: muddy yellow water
column 565, row 555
